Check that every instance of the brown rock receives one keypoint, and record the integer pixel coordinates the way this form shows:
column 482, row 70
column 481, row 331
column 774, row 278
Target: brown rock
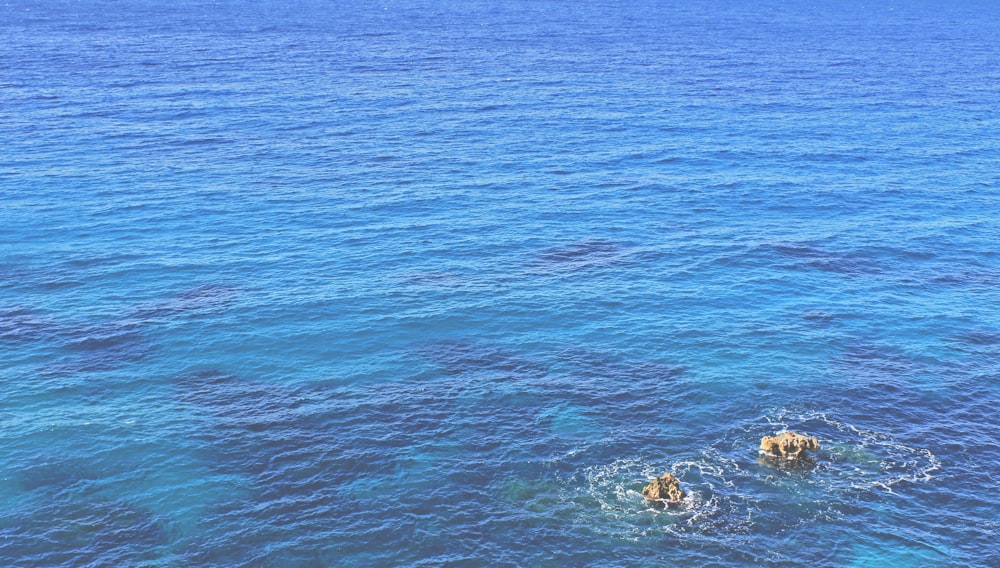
column 788, row 445
column 666, row 488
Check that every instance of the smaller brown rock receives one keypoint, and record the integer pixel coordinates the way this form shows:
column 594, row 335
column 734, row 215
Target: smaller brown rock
column 788, row 445
column 665, row 488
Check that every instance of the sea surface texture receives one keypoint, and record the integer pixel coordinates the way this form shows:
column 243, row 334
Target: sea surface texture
column 428, row 283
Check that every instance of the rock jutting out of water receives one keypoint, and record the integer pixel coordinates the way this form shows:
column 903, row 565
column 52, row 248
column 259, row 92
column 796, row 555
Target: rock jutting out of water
column 665, row 488
column 788, row 445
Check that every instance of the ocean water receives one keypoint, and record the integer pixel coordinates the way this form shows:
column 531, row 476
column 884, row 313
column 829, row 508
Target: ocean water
column 430, row 283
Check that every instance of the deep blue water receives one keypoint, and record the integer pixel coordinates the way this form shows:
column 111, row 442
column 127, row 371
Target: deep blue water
column 428, row 283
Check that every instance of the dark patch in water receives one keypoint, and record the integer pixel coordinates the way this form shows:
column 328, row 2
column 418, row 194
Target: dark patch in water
column 120, row 336
column 284, row 437
column 436, row 278
column 580, row 252
column 461, row 357
column 18, row 325
column 979, row 337
column 73, row 532
column 51, row 473
column 319, row 457
column 204, row 141
column 290, row 444
column 239, row 406
column 100, row 347
column 75, row 264
column 641, row 385
column 820, row 317
column 12, row 276
column 60, row 283
column 594, row 364
column 969, row 277
column 804, row 256
column 983, row 345
column 121, row 529
column 446, row 429
column 200, row 298
column 104, row 346
column 873, row 361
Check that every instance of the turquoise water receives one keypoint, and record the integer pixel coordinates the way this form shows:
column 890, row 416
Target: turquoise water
column 444, row 284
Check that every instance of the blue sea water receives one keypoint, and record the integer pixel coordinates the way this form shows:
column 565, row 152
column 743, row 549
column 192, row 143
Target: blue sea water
column 431, row 283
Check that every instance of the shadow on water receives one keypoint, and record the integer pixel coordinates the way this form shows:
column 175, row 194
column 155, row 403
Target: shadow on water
column 986, row 337
column 579, row 251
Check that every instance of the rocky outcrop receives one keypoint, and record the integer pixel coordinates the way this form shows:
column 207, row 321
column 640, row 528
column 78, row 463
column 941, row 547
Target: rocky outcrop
column 788, row 445
column 665, row 488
